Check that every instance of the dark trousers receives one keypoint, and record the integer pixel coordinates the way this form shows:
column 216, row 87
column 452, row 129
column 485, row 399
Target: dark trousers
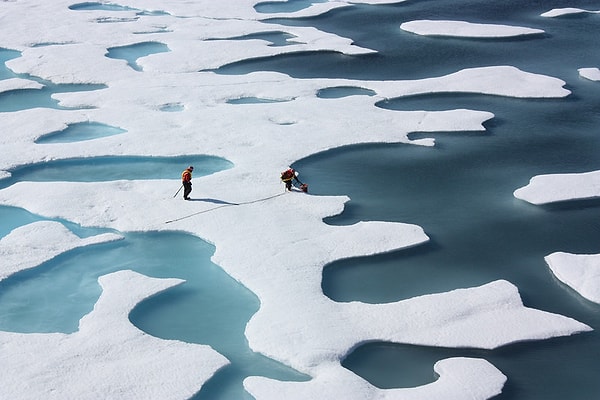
column 187, row 189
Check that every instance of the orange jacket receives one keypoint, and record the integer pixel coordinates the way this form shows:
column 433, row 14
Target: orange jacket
column 186, row 176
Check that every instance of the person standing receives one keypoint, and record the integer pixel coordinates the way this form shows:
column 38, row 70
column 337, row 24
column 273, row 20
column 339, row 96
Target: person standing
column 186, row 180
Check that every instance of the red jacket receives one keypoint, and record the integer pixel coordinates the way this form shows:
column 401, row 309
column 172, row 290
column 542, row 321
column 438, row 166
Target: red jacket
column 288, row 175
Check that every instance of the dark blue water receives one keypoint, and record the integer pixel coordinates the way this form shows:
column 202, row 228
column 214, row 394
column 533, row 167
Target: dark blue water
column 343, row 91
column 276, row 38
column 460, row 191
column 463, row 199
column 402, row 55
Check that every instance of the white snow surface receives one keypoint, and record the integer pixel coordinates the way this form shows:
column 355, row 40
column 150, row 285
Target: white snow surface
column 296, row 323
column 466, row 29
column 580, row 271
column 592, row 73
column 7, row 85
column 551, row 188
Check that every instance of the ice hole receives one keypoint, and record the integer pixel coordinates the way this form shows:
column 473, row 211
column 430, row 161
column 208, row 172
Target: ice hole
column 269, row 7
column 133, row 52
column 90, row 6
column 276, row 38
column 80, row 132
column 344, row 91
column 254, row 100
column 172, row 107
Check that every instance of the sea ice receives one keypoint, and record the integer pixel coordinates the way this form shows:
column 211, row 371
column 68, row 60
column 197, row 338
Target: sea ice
column 543, row 189
column 580, row 271
column 466, row 29
column 274, row 243
column 559, row 12
column 593, row 74
column 7, row 85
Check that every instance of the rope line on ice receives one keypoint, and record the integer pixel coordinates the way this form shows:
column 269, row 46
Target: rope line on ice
column 225, row 205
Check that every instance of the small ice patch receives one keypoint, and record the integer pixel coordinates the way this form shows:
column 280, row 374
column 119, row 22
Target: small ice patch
column 559, row 12
column 593, row 74
column 466, row 29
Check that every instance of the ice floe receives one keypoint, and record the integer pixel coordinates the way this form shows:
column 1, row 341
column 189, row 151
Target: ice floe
column 579, row 271
column 559, row 12
column 466, row 29
column 551, row 188
column 17, row 84
column 593, row 74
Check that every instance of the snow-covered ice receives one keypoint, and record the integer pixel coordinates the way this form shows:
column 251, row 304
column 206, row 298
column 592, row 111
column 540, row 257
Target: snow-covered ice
column 466, row 29
column 296, row 324
column 592, row 73
column 559, row 12
column 551, row 188
column 580, row 271
column 17, row 83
